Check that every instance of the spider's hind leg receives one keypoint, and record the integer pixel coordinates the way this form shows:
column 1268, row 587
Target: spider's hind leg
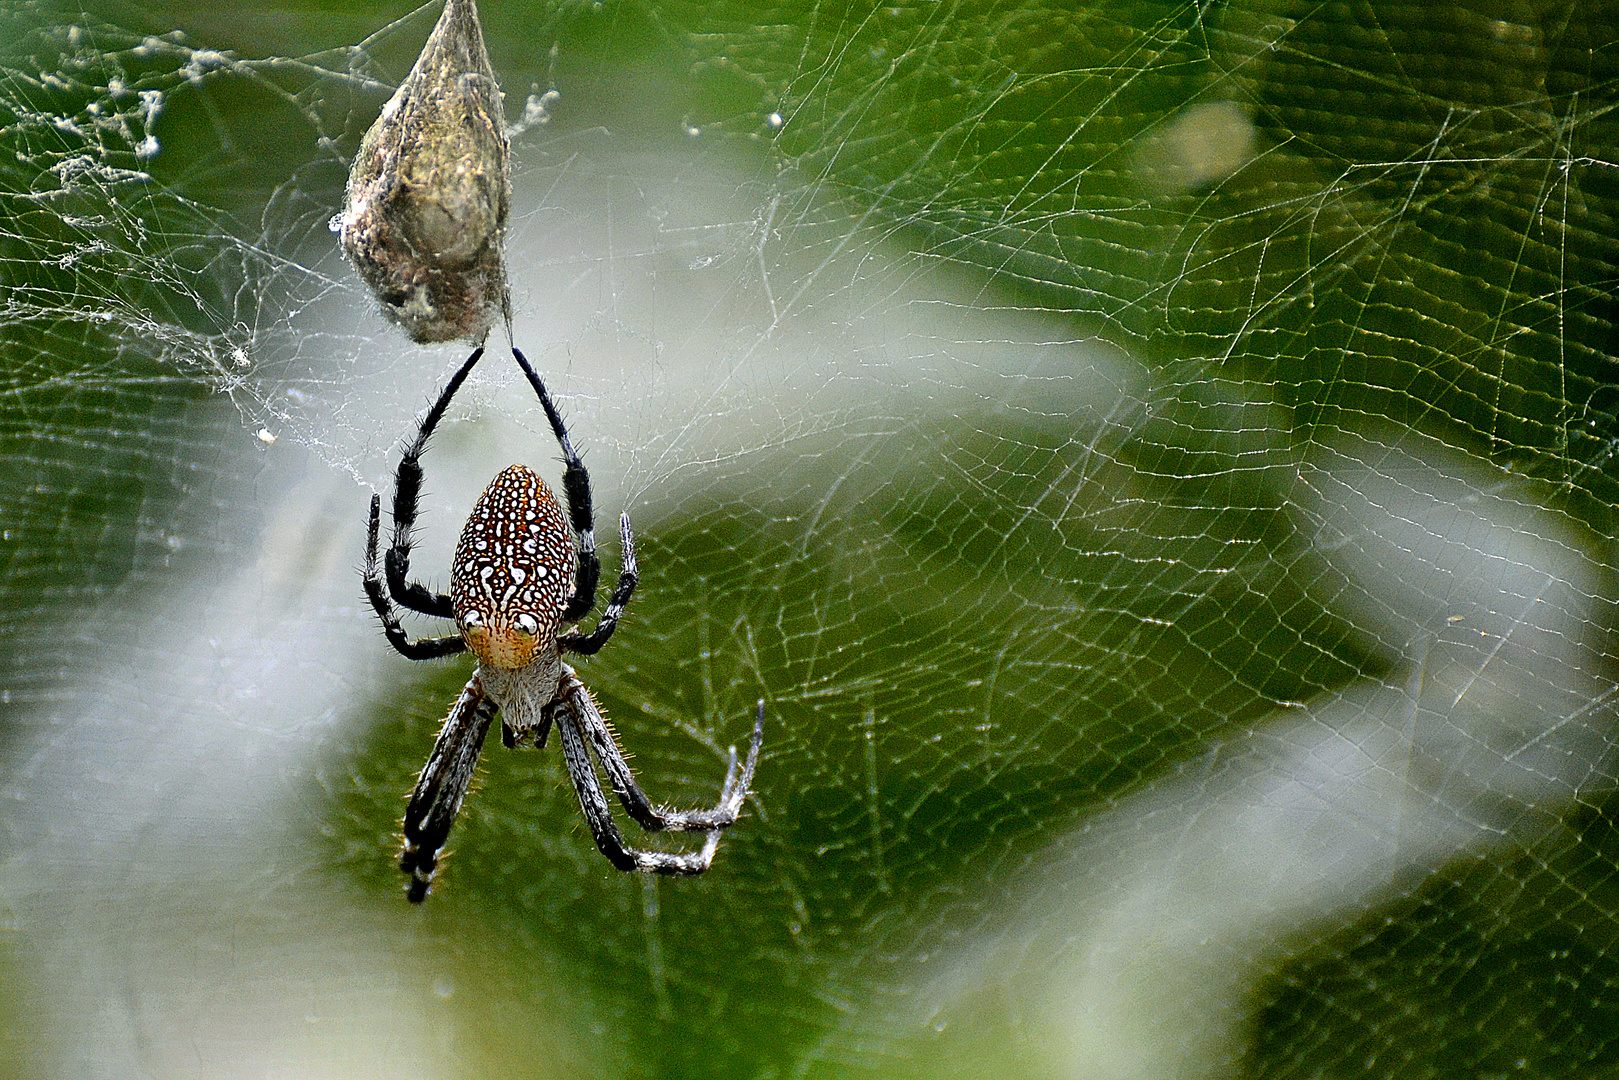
column 421, row 648
column 407, row 494
column 576, row 489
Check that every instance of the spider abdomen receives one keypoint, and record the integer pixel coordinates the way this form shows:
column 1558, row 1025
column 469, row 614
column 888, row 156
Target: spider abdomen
column 513, row 570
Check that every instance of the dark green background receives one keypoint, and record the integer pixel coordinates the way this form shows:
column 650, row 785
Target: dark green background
column 1426, row 237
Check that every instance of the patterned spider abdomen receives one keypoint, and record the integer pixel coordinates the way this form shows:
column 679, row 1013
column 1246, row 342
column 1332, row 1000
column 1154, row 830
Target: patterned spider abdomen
column 513, row 571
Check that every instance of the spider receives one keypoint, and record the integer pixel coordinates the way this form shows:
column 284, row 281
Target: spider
column 523, row 571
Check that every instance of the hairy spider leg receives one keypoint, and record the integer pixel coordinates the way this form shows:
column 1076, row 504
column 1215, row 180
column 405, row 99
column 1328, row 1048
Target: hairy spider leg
column 582, row 708
column 576, row 488
column 421, row 648
column 581, row 518
column 444, row 780
column 442, row 786
column 600, row 819
column 407, row 492
column 590, row 644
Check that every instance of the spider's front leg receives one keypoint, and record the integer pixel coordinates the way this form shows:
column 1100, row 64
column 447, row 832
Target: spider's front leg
column 583, row 709
column 442, row 786
column 609, row 841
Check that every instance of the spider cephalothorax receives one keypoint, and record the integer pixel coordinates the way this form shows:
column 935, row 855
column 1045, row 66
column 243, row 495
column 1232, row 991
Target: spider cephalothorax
column 522, row 572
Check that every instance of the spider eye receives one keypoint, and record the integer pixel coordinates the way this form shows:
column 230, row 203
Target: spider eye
column 526, row 624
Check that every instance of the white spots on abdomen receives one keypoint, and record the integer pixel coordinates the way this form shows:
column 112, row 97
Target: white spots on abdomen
column 516, row 555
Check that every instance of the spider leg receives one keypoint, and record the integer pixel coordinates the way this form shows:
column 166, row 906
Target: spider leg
column 442, row 785
column 421, row 648
column 600, row 819
column 583, row 710
column 407, row 491
column 591, row 643
column 576, row 487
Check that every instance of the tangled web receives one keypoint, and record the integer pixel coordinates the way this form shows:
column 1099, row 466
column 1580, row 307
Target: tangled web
column 1156, row 461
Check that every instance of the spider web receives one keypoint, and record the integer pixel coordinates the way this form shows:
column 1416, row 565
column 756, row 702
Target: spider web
column 1155, row 460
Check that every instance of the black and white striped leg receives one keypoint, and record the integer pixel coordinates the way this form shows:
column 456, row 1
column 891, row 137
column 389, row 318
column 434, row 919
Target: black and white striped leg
column 600, row 818
column 576, row 489
column 591, row 643
column 407, row 493
column 583, row 709
column 419, row 649
column 442, row 786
